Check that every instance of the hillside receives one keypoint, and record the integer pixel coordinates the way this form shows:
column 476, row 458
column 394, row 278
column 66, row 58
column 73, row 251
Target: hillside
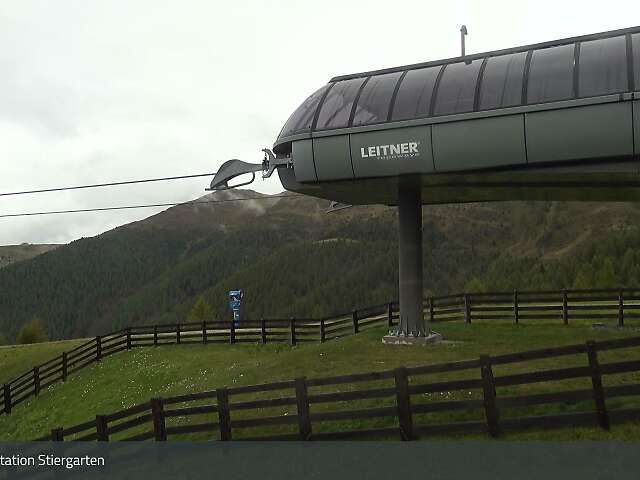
column 130, row 378
column 293, row 259
column 16, row 253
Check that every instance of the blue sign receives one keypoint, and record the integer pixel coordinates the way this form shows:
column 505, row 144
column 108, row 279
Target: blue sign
column 235, row 303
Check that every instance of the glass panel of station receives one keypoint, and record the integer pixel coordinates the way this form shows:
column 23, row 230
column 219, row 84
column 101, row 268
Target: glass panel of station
column 502, row 81
column 414, row 95
column 337, row 105
column 635, row 42
column 602, row 68
column 302, row 118
column 375, row 99
column 551, row 74
column 457, row 88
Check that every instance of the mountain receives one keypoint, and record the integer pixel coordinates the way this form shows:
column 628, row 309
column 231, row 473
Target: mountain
column 291, row 258
column 16, row 253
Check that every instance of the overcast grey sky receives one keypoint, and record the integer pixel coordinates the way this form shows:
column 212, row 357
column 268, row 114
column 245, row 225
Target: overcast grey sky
column 95, row 91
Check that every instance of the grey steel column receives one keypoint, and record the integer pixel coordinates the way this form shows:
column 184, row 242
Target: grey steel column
column 410, row 248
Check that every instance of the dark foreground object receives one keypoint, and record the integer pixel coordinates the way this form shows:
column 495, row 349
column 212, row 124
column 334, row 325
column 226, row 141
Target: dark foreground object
column 343, row 460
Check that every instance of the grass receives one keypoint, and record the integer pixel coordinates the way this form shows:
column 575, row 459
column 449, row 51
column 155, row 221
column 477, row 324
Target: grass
column 17, row 359
column 132, row 377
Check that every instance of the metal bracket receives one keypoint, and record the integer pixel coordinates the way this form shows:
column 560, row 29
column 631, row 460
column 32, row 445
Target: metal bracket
column 234, row 168
column 230, row 170
column 270, row 163
column 335, row 206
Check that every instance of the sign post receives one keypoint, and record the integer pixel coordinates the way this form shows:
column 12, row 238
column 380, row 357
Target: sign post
column 235, row 304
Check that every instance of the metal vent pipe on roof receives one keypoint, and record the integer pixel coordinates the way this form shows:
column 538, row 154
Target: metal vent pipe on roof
column 463, row 33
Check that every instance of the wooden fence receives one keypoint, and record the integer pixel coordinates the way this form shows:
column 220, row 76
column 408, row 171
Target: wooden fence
column 615, row 305
column 292, row 331
column 402, row 402
column 565, row 305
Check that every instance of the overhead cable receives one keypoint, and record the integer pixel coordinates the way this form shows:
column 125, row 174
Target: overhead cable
column 151, row 205
column 107, row 184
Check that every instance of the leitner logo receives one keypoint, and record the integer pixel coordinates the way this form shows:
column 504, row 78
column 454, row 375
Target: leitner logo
column 388, row 152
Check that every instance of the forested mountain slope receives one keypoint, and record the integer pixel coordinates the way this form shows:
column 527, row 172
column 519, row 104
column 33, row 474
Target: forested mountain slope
column 16, row 253
column 293, row 259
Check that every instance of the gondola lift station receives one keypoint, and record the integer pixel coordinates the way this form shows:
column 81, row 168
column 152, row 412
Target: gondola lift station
column 558, row 120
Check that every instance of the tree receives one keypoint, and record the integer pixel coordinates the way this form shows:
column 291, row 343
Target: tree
column 475, row 285
column 201, row 311
column 606, row 275
column 32, row 332
column 3, row 340
column 584, row 278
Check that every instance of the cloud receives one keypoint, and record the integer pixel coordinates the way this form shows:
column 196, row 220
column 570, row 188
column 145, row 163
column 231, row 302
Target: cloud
column 99, row 91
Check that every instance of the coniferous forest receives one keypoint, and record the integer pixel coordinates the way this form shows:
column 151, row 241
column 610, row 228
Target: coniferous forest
column 293, row 259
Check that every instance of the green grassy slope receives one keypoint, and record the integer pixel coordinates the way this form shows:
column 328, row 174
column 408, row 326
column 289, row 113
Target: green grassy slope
column 133, row 377
column 17, row 359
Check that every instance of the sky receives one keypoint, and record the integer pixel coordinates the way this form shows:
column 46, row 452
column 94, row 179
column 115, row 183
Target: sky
column 99, row 91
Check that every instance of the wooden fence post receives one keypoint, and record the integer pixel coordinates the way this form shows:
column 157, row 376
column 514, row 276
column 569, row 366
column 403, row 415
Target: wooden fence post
column 467, row 308
column 515, row 306
column 7, row 398
column 403, row 403
column 322, row 331
column 354, row 318
column 489, row 396
column 431, row 309
column 98, row 348
column 565, row 309
column 204, row 332
column 128, row 338
column 65, row 368
column 159, row 427
column 596, row 382
column 36, row 381
column 263, row 331
column 155, row 335
column 224, row 418
column 57, row 435
column 178, row 333
column 232, row 332
column 302, row 401
column 102, row 429
column 293, row 330
column 390, row 314
column 621, row 308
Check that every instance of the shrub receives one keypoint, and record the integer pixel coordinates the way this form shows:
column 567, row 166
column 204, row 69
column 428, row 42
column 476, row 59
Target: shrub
column 475, row 285
column 201, row 311
column 32, row 332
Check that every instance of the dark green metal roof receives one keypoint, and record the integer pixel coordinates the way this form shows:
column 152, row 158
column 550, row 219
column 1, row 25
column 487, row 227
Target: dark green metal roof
column 578, row 67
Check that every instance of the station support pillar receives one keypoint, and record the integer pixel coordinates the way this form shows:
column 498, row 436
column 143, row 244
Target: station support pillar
column 410, row 260
column 412, row 326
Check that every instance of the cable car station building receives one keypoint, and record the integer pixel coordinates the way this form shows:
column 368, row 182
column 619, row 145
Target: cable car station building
column 553, row 121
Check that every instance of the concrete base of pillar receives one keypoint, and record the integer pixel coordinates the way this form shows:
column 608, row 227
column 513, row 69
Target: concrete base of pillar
column 395, row 339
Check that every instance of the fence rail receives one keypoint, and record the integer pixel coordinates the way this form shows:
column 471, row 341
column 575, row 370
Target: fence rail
column 618, row 305
column 397, row 402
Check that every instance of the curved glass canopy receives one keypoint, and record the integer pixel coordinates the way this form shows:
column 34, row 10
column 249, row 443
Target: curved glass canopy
column 591, row 66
